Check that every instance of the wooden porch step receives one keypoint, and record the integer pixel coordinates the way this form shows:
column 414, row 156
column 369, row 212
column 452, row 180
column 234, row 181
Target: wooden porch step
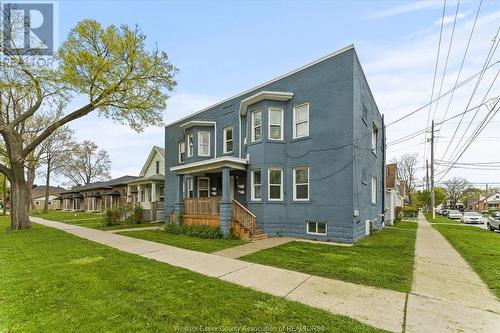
column 258, row 235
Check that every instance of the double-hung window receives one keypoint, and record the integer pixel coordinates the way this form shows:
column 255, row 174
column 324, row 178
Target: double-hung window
column 203, row 143
column 182, row 151
column 301, row 183
column 256, row 120
column 275, row 184
column 275, row 124
column 203, row 187
column 374, row 190
column 301, row 121
column 374, row 138
column 189, row 187
column 256, row 185
column 157, row 165
column 190, row 145
column 228, row 140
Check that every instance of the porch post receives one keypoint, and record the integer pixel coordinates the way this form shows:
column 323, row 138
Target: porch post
column 139, row 194
column 226, row 205
column 153, row 192
column 129, row 193
column 179, row 205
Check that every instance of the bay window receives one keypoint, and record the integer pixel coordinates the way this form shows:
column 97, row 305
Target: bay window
column 275, row 184
column 228, row 140
column 256, row 185
column 256, row 119
column 275, row 124
column 203, row 143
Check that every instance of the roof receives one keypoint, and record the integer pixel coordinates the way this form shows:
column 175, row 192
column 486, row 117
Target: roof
column 39, row 191
column 102, row 184
column 331, row 55
column 211, row 164
column 149, row 178
column 155, row 149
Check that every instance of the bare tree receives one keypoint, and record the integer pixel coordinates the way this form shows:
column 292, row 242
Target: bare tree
column 85, row 163
column 455, row 188
column 407, row 169
column 56, row 148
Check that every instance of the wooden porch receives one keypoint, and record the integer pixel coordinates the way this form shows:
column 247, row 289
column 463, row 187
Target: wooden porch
column 206, row 211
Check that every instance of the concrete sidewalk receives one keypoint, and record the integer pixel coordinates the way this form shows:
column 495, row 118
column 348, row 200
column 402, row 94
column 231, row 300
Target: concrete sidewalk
column 255, row 246
column 374, row 306
column 447, row 295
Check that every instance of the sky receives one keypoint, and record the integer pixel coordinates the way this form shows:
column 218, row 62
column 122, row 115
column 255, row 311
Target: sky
column 222, row 48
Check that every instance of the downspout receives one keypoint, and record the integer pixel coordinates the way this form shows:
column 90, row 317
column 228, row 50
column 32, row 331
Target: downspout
column 384, row 148
column 239, row 134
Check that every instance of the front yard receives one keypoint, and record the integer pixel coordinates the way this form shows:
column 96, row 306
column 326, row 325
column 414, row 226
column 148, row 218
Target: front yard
column 85, row 219
column 51, row 281
column 441, row 219
column 183, row 241
column 383, row 260
column 479, row 247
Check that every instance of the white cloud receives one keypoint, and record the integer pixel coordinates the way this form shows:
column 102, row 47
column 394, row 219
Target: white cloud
column 450, row 19
column 406, row 8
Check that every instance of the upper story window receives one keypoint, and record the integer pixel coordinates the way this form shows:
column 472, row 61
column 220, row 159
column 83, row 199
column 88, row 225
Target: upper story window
column 256, row 184
column 182, row 151
column 204, row 143
column 275, row 124
column 365, row 114
column 301, row 183
column 190, row 145
column 374, row 138
column 157, row 167
column 374, row 190
column 256, row 125
column 275, row 189
column 301, row 120
column 228, row 140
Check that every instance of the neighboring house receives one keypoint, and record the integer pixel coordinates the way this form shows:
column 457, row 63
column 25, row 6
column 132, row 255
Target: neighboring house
column 148, row 189
column 97, row 196
column 301, row 155
column 394, row 196
column 487, row 203
column 38, row 195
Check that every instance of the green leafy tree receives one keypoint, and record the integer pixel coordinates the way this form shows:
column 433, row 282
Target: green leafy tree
column 423, row 198
column 110, row 66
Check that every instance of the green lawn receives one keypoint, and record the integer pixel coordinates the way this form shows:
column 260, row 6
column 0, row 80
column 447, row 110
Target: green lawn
column 85, row 219
column 51, row 281
column 183, row 241
column 481, row 249
column 383, row 260
column 440, row 219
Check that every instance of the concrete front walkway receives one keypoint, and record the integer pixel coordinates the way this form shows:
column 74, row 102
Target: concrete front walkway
column 374, row 306
column 447, row 295
column 255, row 246
column 114, row 231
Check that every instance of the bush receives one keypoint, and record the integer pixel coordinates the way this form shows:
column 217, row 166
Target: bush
column 112, row 217
column 410, row 211
column 200, row 231
column 138, row 214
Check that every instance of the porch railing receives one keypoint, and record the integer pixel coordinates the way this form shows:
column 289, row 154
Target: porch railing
column 202, row 206
column 244, row 216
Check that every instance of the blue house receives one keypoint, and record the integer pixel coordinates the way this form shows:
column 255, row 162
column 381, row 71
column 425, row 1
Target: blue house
column 301, row 155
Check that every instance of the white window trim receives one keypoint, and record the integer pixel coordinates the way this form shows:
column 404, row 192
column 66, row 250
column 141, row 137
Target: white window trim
column 295, row 184
column 190, row 145
column 269, row 123
column 189, row 181
column 373, row 144
column 295, row 107
column 374, row 190
column 316, row 233
column 199, row 143
column 181, row 144
column 252, row 185
column 208, row 189
column 269, row 184
column 225, row 139
column 252, row 129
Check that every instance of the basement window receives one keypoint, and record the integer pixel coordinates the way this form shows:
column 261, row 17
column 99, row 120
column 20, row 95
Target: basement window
column 316, row 228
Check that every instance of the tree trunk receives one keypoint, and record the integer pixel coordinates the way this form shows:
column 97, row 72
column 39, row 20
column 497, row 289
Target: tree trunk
column 29, row 185
column 47, row 184
column 19, row 199
column 4, row 208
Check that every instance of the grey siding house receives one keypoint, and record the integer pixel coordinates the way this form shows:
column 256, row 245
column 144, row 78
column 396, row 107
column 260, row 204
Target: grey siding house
column 301, row 155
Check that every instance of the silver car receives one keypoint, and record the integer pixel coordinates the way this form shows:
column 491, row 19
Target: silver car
column 494, row 221
column 472, row 217
column 454, row 215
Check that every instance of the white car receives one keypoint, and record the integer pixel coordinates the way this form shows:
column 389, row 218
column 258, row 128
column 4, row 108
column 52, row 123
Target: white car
column 472, row 217
column 454, row 215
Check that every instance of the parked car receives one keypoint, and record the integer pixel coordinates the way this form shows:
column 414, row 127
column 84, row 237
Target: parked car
column 454, row 215
column 494, row 221
column 439, row 211
column 445, row 212
column 472, row 217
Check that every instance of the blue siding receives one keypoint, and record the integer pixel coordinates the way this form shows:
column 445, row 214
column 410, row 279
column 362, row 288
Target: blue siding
column 336, row 151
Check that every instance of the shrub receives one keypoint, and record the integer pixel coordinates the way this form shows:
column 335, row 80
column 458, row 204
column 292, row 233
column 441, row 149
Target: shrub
column 410, row 211
column 112, row 217
column 138, row 214
column 200, row 231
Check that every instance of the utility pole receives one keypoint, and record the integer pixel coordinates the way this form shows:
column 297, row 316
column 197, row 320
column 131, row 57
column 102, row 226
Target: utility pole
column 427, row 175
column 433, row 198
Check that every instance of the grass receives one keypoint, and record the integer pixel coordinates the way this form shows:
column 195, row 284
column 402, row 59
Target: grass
column 51, row 281
column 383, row 260
column 440, row 219
column 85, row 219
column 183, row 241
column 480, row 248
